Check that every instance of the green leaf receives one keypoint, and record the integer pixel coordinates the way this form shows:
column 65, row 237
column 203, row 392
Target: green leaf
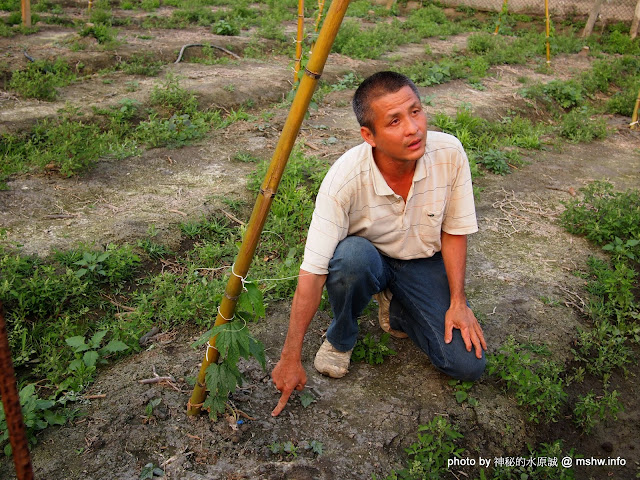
column 96, row 340
column 102, row 257
column 76, row 364
column 90, row 358
column 306, row 399
column 215, row 405
column 257, row 300
column 115, row 346
column 147, row 471
column 220, row 379
column 461, row 396
column 204, row 338
column 256, row 349
column 77, row 343
column 54, row 418
column 316, row 447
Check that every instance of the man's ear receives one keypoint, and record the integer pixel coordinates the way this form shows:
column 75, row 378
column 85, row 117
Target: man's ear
column 368, row 136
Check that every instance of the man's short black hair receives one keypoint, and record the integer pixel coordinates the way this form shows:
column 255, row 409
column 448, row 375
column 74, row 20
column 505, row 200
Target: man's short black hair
column 375, row 86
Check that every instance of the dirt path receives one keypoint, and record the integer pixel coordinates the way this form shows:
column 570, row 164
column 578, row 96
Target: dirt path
column 520, row 257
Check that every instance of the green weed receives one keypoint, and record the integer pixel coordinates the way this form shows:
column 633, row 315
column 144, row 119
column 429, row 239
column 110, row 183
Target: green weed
column 41, row 78
column 103, row 33
column 291, row 449
column 172, row 99
column 602, row 214
column 88, row 355
column 462, row 390
column 590, row 409
column 581, row 125
column 486, row 142
column 37, row 414
column 356, row 42
column 428, row 456
column 141, row 64
column 174, row 132
column 430, row 21
column 535, row 383
column 69, row 147
column 372, row 351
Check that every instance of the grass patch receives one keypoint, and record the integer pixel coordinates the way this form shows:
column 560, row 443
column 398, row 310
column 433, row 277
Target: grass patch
column 611, row 220
column 71, row 145
column 41, row 78
column 490, row 144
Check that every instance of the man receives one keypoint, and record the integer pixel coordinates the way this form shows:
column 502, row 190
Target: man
column 391, row 220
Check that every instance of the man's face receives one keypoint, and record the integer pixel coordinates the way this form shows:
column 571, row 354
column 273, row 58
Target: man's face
column 400, row 126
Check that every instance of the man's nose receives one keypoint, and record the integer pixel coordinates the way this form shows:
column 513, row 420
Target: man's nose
column 411, row 127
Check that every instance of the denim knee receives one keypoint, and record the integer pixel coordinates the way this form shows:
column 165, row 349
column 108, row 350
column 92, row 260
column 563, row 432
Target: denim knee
column 468, row 369
column 354, row 259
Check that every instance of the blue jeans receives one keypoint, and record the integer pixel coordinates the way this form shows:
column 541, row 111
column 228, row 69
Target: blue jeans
column 420, row 300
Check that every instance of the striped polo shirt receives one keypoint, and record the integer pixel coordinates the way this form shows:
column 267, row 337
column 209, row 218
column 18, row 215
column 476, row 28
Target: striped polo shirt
column 355, row 199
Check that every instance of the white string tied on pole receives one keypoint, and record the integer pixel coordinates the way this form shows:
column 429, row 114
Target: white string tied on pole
column 242, row 279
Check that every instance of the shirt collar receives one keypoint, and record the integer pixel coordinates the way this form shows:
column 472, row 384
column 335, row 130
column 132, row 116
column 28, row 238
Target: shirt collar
column 380, row 185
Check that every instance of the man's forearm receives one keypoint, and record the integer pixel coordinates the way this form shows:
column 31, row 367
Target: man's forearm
column 454, row 255
column 305, row 305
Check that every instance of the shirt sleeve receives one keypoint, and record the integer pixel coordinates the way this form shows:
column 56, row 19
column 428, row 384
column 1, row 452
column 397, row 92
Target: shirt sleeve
column 460, row 213
column 329, row 225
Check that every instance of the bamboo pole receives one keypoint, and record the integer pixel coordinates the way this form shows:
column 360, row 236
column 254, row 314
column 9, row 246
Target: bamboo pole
column 321, row 10
column 546, row 12
column 634, row 117
column 299, row 107
column 12, row 409
column 296, row 68
column 26, row 13
column 636, row 20
column 502, row 12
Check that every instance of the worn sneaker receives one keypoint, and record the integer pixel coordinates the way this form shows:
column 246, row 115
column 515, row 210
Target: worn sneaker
column 332, row 362
column 384, row 300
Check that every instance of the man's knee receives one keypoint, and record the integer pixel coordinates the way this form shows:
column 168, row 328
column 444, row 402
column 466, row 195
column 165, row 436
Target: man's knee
column 469, row 369
column 353, row 258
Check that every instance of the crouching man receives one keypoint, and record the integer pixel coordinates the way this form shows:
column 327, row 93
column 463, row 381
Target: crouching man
column 390, row 221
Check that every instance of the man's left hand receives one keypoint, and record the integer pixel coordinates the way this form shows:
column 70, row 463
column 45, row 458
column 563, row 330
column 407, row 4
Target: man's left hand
column 461, row 317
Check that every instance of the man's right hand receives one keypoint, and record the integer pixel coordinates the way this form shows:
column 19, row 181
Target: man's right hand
column 287, row 375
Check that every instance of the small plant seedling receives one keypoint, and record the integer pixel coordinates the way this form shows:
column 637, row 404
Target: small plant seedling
column 462, row 392
column 148, row 410
column 149, row 471
column 306, row 399
column 371, row 350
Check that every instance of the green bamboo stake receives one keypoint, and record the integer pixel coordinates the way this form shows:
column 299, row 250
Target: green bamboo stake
column 299, row 107
column 298, row 58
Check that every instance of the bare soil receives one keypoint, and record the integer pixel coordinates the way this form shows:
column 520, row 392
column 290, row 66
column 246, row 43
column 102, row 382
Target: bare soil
column 519, row 258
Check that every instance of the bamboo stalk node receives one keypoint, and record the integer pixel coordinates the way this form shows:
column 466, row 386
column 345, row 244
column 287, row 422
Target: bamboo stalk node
column 268, row 193
column 314, row 75
column 194, row 405
column 230, row 297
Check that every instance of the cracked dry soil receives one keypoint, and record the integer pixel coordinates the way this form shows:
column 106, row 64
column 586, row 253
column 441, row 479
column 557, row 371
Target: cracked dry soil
column 365, row 420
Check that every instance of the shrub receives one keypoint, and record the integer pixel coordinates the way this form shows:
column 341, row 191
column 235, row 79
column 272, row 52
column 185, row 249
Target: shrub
column 579, row 125
column 40, row 79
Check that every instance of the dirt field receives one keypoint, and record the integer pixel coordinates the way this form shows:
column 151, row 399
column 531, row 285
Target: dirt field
column 519, row 258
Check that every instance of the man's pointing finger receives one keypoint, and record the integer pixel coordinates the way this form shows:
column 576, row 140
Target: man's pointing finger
column 284, row 398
